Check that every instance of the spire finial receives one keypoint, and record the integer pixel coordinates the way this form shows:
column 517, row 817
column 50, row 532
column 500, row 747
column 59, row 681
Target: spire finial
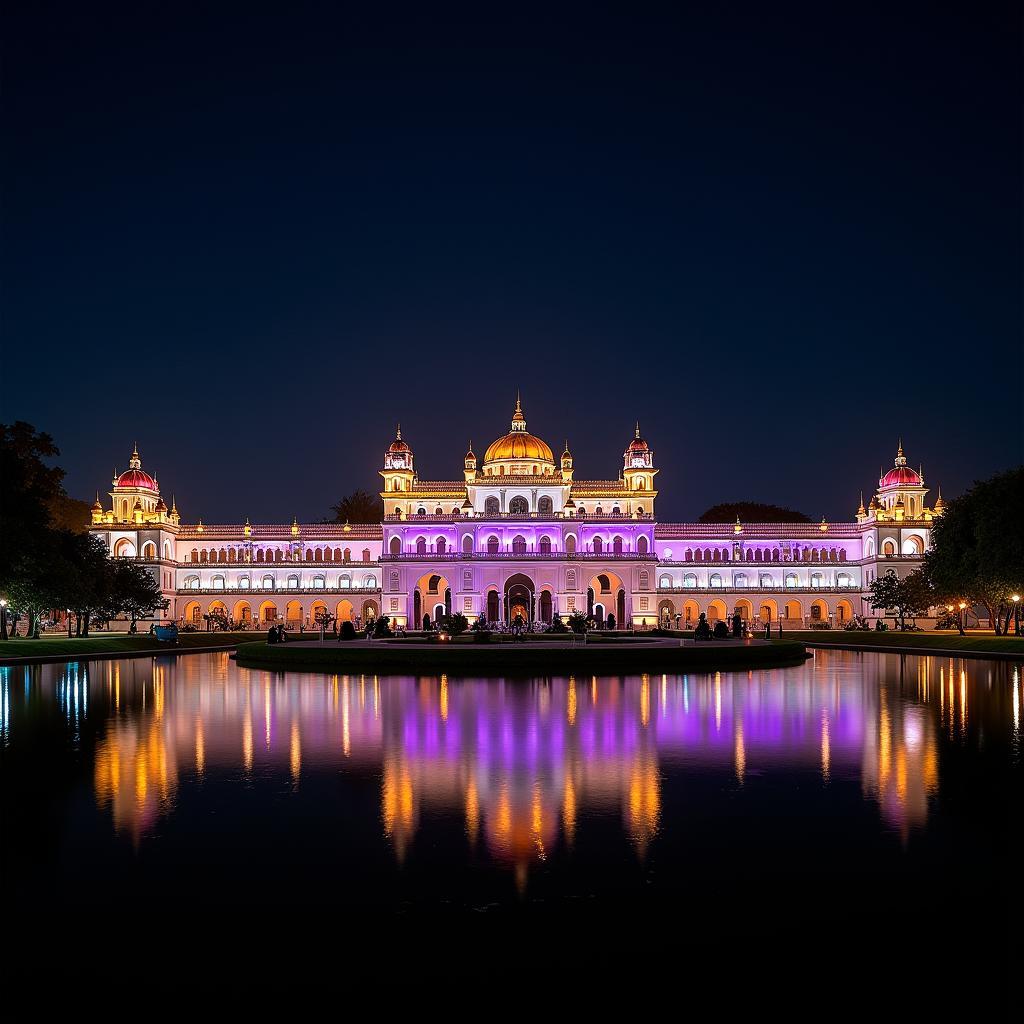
column 398, row 433
column 638, row 429
column 518, row 419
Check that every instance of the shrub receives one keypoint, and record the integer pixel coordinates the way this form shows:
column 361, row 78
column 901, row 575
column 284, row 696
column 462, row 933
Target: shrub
column 348, row 631
column 819, row 624
column 610, row 622
column 456, row 624
column 188, row 627
column 557, row 625
column 382, row 627
column 858, row 622
column 721, row 630
column 578, row 622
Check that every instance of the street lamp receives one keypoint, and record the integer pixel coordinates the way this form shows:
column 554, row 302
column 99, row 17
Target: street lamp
column 3, row 618
column 1016, row 614
column 68, row 610
column 962, row 606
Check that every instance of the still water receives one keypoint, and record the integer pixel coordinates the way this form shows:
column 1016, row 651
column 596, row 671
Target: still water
column 857, row 784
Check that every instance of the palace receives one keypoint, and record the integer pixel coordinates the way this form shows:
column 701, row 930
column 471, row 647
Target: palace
column 518, row 536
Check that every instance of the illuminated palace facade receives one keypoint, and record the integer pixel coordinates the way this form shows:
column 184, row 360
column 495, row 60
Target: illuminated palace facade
column 519, row 537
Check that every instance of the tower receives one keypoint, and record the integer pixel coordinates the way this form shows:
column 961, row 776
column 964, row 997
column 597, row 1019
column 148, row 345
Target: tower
column 398, row 465
column 567, row 465
column 638, row 473
column 470, row 464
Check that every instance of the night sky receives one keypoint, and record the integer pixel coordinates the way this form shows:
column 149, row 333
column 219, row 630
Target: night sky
column 780, row 236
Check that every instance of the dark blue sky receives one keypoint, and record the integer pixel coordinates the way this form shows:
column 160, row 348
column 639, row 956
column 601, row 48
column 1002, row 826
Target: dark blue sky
column 780, row 235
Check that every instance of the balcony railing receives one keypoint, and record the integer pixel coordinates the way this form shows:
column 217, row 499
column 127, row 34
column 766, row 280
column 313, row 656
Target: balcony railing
column 759, row 590
column 242, row 591
column 524, row 517
column 486, row 556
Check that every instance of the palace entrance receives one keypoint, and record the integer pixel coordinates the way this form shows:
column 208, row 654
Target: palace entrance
column 519, row 599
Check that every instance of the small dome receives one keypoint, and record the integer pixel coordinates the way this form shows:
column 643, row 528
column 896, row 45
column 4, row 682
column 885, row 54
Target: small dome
column 901, row 476
column 136, row 478
column 638, row 444
column 398, row 445
column 160, row 506
column 519, row 443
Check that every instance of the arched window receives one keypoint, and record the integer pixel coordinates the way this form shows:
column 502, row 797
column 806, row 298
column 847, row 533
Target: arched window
column 267, row 583
column 421, row 545
column 441, row 545
column 395, row 546
column 545, row 506
column 194, row 556
column 491, row 506
column 438, row 511
column 888, row 548
column 293, row 582
column 344, row 582
column 570, row 545
column 519, row 506
column 641, row 547
column 492, row 545
column 843, row 580
column 217, row 582
column 665, row 581
column 370, row 581
column 149, row 549
column 739, row 579
column 243, row 582
column 192, row 583
column 598, row 511
column 467, row 579
column 715, row 580
column 570, row 579
column 421, row 511
column 816, row 579
column 598, row 545
column 319, row 583
column 617, row 546
column 791, row 579
column 394, row 579
column 545, row 545
column 644, row 579
column 519, row 545
column 467, row 544
column 690, row 581
column 766, row 581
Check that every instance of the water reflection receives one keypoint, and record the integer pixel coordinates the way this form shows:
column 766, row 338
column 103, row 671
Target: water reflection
column 525, row 766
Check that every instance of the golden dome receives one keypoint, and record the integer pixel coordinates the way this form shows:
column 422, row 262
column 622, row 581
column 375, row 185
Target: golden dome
column 518, row 443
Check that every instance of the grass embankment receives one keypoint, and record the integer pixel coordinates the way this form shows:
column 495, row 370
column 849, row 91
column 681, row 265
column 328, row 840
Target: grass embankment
column 58, row 647
column 973, row 644
column 520, row 659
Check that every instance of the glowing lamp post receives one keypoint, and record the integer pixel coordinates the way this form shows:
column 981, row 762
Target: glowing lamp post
column 3, row 618
column 962, row 606
column 1016, row 614
column 68, row 610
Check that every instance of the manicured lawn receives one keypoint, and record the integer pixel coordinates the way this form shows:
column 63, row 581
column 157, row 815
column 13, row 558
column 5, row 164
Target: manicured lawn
column 122, row 643
column 972, row 643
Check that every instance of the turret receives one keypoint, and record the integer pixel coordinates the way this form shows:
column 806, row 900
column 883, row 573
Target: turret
column 470, row 464
column 567, row 464
column 398, row 465
column 901, row 490
column 638, row 471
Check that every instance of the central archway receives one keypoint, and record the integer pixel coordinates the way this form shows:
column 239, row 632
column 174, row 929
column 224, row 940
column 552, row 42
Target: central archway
column 519, row 598
column 431, row 599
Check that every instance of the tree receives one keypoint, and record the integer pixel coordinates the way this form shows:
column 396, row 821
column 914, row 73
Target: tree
column 977, row 552
column 134, row 592
column 751, row 512
column 357, row 507
column 578, row 622
column 912, row 595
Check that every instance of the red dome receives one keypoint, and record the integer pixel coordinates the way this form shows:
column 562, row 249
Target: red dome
column 901, row 476
column 136, row 478
column 638, row 444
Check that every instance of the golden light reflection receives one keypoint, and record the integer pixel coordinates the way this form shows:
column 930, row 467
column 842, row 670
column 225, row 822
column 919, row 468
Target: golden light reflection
column 570, row 704
column 569, row 810
column 247, row 741
column 346, row 706
column 295, row 753
column 444, row 698
column 200, row 748
column 645, row 700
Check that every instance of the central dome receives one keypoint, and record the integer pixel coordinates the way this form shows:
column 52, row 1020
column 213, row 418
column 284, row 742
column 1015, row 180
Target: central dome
column 519, row 444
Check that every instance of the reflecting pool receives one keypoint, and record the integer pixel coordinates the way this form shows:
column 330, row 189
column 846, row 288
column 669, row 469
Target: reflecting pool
column 854, row 784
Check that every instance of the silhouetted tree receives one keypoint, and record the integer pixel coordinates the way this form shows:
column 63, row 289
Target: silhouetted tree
column 357, row 507
column 751, row 512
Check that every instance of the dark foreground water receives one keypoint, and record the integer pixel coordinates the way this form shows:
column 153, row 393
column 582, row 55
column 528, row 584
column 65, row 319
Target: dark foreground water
column 879, row 790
